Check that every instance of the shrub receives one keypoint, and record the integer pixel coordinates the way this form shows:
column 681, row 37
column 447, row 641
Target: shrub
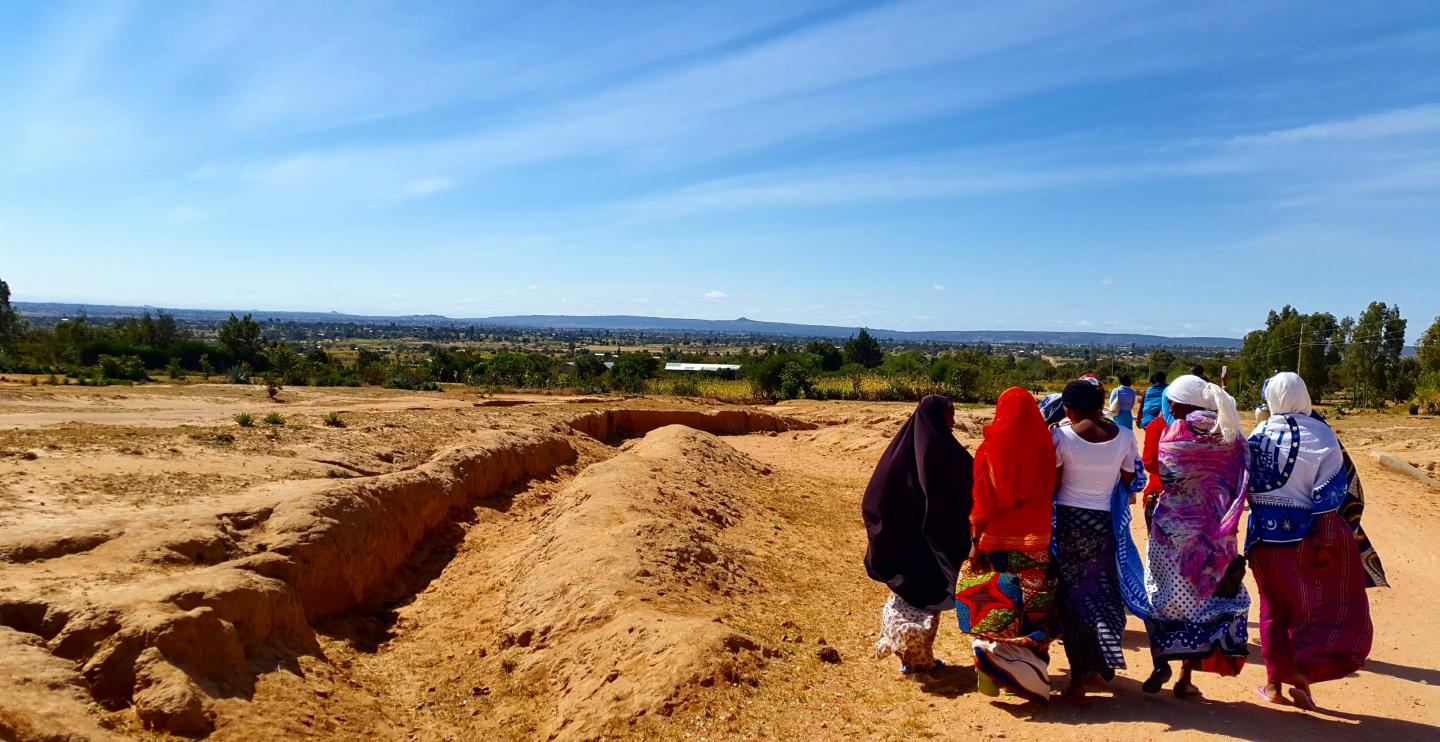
column 333, row 420
column 631, row 371
column 207, row 369
column 684, row 387
column 274, row 418
column 238, row 374
column 245, row 420
column 174, row 370
column 129, row 368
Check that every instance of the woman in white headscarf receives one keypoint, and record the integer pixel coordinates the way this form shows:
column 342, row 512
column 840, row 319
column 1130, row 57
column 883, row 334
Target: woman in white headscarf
column 1198, row 606
column 1314, row 616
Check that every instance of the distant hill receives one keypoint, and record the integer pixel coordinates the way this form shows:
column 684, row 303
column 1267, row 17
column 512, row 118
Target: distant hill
column 740, row 326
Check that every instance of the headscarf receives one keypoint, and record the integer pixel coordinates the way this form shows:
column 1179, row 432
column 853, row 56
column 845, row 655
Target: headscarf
column 1197, row 392
column 1285, row 393
column 1198, row 514
column 917, row 509
column 1017, row 456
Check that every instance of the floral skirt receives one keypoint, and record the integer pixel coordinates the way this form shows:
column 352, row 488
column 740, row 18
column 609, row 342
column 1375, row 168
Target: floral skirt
column 1009, row 611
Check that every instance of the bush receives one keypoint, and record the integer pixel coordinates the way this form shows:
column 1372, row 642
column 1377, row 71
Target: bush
column 685, row 387
column 245, row 420
column 128, row 368
column 333, row 420
column 631, row 371
column 238, row 374
column 174, row 370
column 274, row 418
column 782, row 375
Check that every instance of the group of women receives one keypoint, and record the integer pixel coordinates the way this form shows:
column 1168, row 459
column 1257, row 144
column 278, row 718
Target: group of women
column 1029, row 540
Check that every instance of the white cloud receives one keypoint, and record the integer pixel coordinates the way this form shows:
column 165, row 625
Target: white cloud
column 1107, row 282
column 1395, row 122
column 937, row 287
column 427, row 187
column 716, row 295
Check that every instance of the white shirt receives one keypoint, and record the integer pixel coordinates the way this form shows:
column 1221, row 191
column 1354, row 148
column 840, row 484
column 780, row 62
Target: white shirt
column 1091, row 469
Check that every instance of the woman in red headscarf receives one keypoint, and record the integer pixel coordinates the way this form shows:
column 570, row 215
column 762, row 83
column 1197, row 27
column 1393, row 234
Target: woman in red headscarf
column 1005, row 594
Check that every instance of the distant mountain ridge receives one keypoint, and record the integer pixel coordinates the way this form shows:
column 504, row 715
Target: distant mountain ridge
column 632, row 323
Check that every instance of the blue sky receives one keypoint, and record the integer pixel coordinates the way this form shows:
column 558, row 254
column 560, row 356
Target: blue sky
column 1177, row 168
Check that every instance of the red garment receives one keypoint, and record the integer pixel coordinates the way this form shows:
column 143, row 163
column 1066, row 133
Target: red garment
column 1314, row 614
column 1150, row 457
column 1014, row 477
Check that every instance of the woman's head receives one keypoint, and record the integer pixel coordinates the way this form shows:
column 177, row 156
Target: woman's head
column 1158, row 378
column 1082, row 398
column 1190, row 393
column 937, row 409
column 1285, row 393
column 1016, row 406
column 1125, row 380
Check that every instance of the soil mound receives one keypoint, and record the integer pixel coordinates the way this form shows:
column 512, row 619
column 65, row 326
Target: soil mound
column 614, row 608
column 173, row 609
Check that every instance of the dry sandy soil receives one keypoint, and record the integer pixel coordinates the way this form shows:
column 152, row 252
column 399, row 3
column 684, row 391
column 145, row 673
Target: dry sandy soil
column 448, row 566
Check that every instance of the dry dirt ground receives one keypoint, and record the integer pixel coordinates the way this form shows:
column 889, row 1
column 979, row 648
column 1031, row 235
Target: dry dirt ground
column 447, row 566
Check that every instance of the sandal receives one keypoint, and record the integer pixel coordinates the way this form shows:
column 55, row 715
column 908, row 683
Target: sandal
column 1075, row 697
column 1186, row 689
column 1157, row 680
column 908, row 670
column 1301, row 697
column 1277, row 698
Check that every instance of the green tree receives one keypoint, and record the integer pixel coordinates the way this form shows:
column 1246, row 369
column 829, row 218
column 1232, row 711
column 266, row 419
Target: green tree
column 831, row 359
column 1372, row 354
column 589, row 366
column 11, row 326
column 241, row 336
column 1161, row 359
column 782, row 374
column 632, row 370
column 1427, row 351
column 864, row 350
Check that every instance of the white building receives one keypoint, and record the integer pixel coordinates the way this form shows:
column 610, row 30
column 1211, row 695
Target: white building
column 702, row 367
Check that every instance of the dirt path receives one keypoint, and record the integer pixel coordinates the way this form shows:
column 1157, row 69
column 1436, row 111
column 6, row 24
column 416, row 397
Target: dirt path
column 1396, row 697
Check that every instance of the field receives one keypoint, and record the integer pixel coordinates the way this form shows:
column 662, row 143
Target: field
column 461, row 566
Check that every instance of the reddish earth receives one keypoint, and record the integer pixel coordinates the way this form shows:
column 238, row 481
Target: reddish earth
column 448, row 566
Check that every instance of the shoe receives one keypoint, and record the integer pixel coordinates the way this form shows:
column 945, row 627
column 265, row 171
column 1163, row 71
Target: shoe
column 1157, row 680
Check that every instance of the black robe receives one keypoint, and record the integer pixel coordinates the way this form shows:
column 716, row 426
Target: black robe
column 917, row 510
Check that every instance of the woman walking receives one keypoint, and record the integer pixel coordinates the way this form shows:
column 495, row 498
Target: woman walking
column 1198, row 606
column 1005, row 596
column 1314, row 615
column 1091, row 455
column 915, row 509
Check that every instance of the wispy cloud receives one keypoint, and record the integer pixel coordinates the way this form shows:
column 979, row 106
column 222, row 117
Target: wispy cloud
column 716, row 295
column 427, row 187
column 1397, row 122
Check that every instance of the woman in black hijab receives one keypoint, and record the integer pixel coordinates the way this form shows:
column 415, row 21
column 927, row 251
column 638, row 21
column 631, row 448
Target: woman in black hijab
column 917, row 517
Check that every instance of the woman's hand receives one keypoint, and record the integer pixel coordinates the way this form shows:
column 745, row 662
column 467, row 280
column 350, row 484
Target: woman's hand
column 978, row 562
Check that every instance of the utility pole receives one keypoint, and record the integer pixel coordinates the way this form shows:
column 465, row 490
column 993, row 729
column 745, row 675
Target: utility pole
column 1300, row 352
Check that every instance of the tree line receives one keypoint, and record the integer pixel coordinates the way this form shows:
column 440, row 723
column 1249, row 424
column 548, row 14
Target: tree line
column 1360, row 359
